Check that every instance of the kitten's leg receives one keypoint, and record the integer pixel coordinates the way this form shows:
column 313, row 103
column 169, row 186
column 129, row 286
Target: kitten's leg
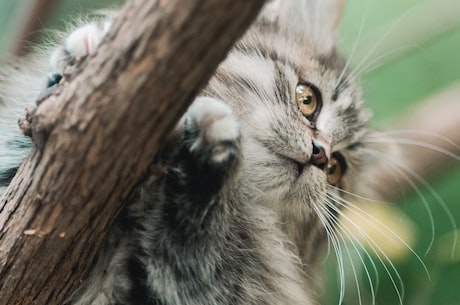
column 211, row 145
column 207, row 158
column 189, row 214
column 186, row 203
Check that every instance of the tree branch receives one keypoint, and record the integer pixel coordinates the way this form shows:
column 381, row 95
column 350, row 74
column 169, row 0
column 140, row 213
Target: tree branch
column 97, row 137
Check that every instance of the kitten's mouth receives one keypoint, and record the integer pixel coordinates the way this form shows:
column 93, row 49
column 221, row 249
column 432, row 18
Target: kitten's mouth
column 318, row 159
column 299, row 167
column 303, row 167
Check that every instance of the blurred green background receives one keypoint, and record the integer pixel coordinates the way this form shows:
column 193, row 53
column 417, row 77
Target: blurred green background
column 405, row 51
column 412, row 48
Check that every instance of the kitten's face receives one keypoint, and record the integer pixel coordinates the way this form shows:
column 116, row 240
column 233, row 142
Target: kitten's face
column 292, row 94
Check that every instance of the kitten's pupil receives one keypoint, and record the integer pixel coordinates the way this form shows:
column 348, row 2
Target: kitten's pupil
column 307, row 100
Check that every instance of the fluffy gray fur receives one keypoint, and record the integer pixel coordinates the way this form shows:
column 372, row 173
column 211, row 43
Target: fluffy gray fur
column 241, row 213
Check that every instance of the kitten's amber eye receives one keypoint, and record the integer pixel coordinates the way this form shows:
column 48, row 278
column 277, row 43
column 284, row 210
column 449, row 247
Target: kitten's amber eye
column 306, row 100
column 334, row 170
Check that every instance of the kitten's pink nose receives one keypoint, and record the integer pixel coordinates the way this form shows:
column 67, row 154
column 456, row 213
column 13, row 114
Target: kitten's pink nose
column 318, row 156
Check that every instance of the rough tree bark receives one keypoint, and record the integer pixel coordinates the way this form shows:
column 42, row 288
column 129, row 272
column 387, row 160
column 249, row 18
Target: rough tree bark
column 96, row 138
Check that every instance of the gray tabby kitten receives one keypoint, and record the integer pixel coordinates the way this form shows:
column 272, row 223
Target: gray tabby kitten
column 243, row 206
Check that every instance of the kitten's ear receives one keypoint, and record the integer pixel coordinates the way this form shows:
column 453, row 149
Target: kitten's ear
column 315, row 21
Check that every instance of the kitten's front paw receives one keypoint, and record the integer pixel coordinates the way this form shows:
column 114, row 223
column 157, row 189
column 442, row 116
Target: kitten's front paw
column 84, row 41
column 213, row 132
column 80, row 43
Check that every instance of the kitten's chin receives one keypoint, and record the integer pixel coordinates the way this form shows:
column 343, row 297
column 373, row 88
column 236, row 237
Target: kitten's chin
column 311, row 182
column 306, row 198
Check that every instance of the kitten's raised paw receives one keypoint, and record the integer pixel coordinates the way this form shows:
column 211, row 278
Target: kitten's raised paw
column 213, row 131
column 84, row 41
column 80, row 43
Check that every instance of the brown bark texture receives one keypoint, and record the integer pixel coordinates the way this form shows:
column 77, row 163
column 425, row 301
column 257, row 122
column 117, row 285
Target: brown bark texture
column 96, row 137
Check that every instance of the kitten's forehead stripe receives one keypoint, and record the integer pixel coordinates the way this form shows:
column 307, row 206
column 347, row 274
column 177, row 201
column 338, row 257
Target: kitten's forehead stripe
column 282, row 88
column 233, row 79
column 264, row 52
column 332, row 62
column 335, row 94
column 341, row 86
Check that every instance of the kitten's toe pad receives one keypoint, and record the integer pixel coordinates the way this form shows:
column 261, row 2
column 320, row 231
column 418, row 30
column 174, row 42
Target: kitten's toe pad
column 217, row 130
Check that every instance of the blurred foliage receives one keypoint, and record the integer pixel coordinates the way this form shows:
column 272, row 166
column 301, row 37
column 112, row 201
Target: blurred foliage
column 389, row 89
column 7, row 12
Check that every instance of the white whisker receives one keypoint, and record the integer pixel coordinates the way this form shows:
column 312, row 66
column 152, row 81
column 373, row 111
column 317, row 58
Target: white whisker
column 417, row 143
column 378, row 251
column 415, row 132
column 402, row 173
column 377, row 45
column 374, row 64
column 337, row 249
column 374, row 221
column 355, row 195
column 356, row 43
column 402, row 170
column 355, row 241
column 328, row 251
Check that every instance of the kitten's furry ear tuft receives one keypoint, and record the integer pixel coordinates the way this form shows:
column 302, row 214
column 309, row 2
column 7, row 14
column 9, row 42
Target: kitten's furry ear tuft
column 315, row 21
